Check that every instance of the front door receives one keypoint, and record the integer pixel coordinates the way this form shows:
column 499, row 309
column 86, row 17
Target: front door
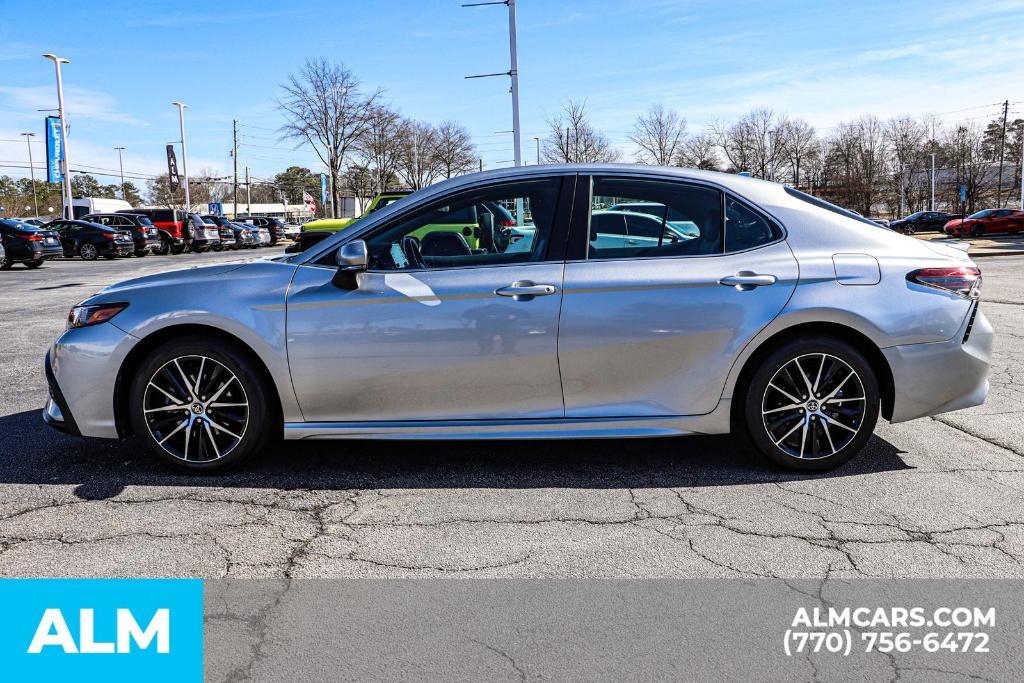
column 653, row 329
column 437, row 329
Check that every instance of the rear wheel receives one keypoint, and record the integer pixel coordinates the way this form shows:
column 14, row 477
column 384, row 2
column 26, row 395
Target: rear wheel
column 199, row 405
column 812, row 404
column 88, row 252
column 5, row 263
column 34, row 264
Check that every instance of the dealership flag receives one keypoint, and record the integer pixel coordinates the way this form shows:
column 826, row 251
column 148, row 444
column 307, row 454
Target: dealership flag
column 310, row 202
column 54, row 150
column 172, row 169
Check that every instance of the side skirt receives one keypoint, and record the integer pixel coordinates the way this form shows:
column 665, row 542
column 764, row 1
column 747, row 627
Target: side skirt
column 715, row 422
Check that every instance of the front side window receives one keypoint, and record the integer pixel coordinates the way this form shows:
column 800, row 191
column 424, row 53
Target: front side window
column 634, row 218
column 498, row 225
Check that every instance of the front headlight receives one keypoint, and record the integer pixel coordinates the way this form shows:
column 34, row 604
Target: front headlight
column 83, row 316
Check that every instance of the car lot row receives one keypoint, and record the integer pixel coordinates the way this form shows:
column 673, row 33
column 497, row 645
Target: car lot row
column 979, row 224
column 136, row 232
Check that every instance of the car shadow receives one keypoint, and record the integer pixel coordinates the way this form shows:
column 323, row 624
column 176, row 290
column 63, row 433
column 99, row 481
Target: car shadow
column 31, row 453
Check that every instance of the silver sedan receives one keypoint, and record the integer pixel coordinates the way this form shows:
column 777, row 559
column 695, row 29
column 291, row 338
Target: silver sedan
column 492, row 306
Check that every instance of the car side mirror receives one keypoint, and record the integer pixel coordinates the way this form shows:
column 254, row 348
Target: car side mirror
column 352, row 258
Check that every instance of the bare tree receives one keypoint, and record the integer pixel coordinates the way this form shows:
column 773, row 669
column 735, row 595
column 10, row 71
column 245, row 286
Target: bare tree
column 699, row 151
column 799, row 146
column 417, row 156
column 572, row 139
column 326, row 108
column 755, row 143
column 380, row 145
column 454, row 149
column 660, row 135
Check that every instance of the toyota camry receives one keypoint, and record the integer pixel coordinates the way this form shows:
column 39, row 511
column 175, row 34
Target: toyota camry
column 781, row 318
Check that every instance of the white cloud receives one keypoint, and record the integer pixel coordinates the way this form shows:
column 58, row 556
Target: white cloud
column 79, row 103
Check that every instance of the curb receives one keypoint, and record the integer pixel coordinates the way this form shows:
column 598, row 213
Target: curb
column 1015, row 252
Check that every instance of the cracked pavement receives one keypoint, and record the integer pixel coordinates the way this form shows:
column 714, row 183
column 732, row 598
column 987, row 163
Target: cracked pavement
column 935, row 497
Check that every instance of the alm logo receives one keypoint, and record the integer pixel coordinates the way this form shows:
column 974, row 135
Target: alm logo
column 53, row 632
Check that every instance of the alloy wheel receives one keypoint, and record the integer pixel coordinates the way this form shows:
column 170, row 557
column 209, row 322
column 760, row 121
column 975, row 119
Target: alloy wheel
column 196, row 409
column 88, row 252
column 814, row 406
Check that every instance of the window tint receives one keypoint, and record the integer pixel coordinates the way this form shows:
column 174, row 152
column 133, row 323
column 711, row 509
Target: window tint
column 467, row 230
column 657, row 218
column 745, row 229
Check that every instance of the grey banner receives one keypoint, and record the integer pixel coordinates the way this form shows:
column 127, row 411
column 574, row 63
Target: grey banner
column 533, row 629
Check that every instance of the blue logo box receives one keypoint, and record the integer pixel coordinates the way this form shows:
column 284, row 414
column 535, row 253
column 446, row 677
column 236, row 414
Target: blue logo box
column 101, row 629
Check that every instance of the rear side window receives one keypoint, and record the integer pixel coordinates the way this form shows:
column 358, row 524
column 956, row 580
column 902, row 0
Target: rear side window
column 677, row 219
column 745, row 229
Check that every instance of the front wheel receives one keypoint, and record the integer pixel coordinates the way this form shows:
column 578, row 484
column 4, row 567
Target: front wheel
column 977, row 231
column 88, row 252
column 199, row 405
column 812, row 404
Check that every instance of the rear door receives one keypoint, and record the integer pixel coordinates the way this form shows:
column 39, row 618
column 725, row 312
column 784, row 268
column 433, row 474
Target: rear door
column 654, row 329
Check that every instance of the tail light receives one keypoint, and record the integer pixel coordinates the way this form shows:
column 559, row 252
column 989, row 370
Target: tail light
column 110, row 235
column 962, row 281
column 35, row 238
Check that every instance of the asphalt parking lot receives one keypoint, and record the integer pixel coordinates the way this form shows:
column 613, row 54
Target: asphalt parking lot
column 930, row 498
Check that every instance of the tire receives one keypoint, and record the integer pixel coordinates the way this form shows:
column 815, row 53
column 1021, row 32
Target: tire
column 837, row 429
column 177, row 249
column 213, row 442
column 110, row 257
column 163, row 248
column 34, row 264
column 141, row 254
column 6, row 263
column 909, row 230
column 88, row 252
column 977, row 231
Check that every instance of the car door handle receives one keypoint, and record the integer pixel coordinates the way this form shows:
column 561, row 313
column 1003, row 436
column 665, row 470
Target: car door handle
column 525, row 290
column 745, row 280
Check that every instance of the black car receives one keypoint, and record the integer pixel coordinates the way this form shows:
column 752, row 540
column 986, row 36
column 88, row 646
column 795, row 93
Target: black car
column 144, row 234
column 227, row 235
column 233, row 235
column 91, row 240
column 923, row 220
column 24, row 243
column 274, row 225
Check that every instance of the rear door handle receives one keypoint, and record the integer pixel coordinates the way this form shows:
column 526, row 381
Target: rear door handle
column 525, row 290
column 745, row 280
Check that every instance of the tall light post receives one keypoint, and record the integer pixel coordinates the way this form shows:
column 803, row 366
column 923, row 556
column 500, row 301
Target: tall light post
column 184, row 154
column 537, row 140
column 120, row 163
column 66, row 164
column 32, row 171
column 933, row 183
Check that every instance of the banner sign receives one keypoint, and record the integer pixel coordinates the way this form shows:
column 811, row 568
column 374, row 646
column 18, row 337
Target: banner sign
column 323, row 189
column 54, row 150
column 172, row 169
column 215, row 209
column 310, row 202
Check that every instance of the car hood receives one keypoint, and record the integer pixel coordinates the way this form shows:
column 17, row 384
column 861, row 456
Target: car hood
column 184, row 276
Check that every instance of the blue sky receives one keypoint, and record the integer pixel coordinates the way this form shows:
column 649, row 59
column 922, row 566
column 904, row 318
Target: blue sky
column 824, row 61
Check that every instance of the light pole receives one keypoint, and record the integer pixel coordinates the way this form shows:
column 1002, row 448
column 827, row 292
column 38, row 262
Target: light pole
column 537, row 140
column 184, row 154
column 32, row 171
column 66, row 164
column 933, row 183
column 120, row 163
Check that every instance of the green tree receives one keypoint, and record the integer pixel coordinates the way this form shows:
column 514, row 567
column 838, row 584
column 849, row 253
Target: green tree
column 295, row 180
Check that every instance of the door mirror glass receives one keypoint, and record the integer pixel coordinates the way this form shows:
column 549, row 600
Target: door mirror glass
column 352, row 256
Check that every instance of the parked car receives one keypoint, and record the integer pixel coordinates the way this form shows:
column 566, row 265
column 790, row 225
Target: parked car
column 144, row 234
column 34, row 221
column 225, row 235
column 232, row 236
column 82, row 206
column 314, row 231
column 922, row 221
column 89, row 241
column 25, row 243
column 786, row 319
column 274, row 226
column 263, row 238
column 291, row 231
column 245, row 237
column 176, row 232
column 987, row 222
column 205, row 236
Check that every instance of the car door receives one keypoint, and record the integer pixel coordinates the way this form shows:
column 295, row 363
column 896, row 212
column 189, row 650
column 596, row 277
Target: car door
column 457, row 334
column 66, row 232
column 654, row 330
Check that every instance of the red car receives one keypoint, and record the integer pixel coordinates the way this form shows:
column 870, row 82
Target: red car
column 986, row 222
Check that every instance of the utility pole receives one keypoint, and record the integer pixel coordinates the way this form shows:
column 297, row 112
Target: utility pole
column 57, row 61
column 1002, row 149
column 248, row 194
column 32, row 171
column 184, row 154
column 933, row 182
column 537, row 140
column 234, row 156
column 120, row 163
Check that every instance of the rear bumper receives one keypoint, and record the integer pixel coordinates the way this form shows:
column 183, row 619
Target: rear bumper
column 943, row 376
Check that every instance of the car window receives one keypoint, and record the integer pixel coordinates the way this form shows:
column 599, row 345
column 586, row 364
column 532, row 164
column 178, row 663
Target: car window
column 677, row 219
column 745, row 229
column 440, row 236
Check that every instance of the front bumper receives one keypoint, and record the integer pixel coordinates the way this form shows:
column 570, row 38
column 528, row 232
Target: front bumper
column 82, row 370
column 944, row 376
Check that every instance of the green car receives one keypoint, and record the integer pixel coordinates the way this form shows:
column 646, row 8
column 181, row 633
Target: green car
column 463, row 220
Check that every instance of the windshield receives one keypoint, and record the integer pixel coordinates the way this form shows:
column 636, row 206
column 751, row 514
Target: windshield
column 384, row 202
column 983, row 214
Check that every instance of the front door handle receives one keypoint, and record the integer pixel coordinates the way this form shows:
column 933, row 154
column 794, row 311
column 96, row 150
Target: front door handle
column 525, row 290
column 746, row 280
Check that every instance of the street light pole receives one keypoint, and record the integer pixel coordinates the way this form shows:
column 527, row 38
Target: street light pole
column 184, row 154
column 514, row 73
column 933, row 183
column 120, row 163
column 537, row 140
column 66, row 164
column 32, row 171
